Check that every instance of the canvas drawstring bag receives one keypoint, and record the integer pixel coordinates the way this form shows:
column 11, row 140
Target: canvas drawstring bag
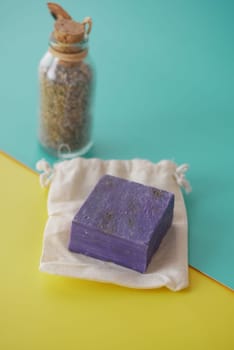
column 70, row 183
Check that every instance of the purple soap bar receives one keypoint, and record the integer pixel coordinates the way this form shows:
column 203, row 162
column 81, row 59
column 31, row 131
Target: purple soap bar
column 123, row 222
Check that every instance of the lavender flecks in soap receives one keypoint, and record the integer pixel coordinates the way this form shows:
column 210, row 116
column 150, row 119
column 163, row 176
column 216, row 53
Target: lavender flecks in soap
column 123, row 222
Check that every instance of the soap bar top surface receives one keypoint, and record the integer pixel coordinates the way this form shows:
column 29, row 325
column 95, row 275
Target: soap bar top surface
column 124, row 209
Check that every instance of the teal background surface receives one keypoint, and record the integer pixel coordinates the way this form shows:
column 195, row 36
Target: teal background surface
column 165, row 85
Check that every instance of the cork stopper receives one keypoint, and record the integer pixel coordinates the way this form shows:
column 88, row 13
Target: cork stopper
column 66, row 30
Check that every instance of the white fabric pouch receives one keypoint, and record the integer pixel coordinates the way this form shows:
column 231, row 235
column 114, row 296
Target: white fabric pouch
column 71, row 182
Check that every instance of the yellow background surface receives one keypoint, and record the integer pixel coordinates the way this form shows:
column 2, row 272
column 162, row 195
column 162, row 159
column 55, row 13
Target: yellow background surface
column 40, row 311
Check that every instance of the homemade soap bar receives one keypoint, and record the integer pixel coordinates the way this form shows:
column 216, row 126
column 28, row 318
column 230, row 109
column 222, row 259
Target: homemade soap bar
column 123, row 222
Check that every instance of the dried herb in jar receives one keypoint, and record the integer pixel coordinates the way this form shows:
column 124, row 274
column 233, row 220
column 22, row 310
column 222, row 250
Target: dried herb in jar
column 66, row 88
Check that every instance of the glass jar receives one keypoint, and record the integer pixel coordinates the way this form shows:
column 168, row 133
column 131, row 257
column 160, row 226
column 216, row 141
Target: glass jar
column 66, row 91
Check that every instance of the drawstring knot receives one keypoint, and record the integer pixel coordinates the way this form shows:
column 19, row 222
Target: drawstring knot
column 47, row 172
column 180, row 177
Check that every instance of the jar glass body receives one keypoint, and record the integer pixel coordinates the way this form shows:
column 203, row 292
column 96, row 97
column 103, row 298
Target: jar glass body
column 66, row 99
